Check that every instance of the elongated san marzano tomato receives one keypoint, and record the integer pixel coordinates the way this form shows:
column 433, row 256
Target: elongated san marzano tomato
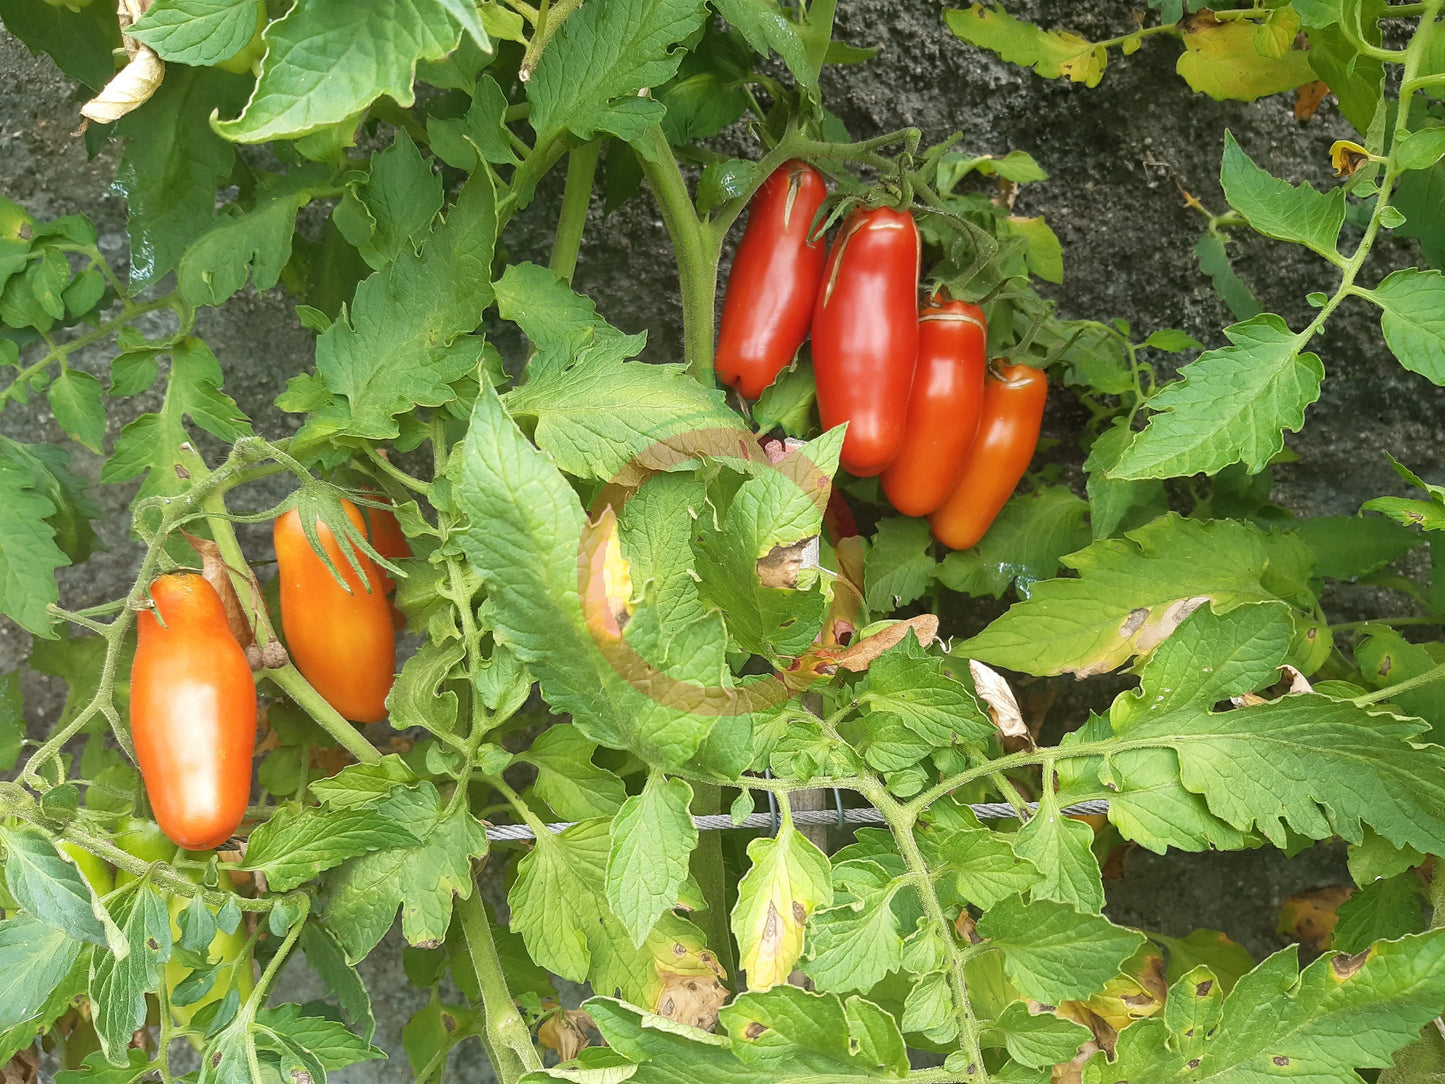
column 865, row 335
column 192, row 713
column 943, row 407
column 1013, row 408
column 342, row 641
column 774, row 279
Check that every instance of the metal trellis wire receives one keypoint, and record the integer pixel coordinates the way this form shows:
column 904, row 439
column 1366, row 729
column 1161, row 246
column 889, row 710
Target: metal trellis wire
column 838, row 816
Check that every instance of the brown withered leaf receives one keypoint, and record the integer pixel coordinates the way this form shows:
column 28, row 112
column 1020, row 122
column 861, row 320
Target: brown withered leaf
column 565, row 1031
column 993, row 688
column 1291, row 681
column 966, row 926
column 1347, row 156
column 1072, row 1072
column 692, row 998
column 781, row 565
column 1141, row 632
column 1310, row 917
column 23, row 1068
column 845, row 612
column 218, row 574
column 1307, row 98
column 858, row 656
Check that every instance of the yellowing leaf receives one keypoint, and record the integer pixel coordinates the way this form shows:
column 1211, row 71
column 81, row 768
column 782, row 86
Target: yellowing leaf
column 1051, row 53
column 789, row 879
column 606, row 577
column 1221, row 60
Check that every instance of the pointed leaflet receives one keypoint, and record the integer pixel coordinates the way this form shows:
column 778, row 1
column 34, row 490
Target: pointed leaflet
column 987, row 868
column 1060, row 848
column 1053, row 953
column 1279, row 209
column 28, row 553
column 526, row 541
column 1318, row 765
column 294, row 845
column 1231, row 405
column 1413, row 319
column 400, row 348
column 897, row 567
column 150, row 444
column 589, row 77
column 366, row 892
column 329, row 59
column 52, row 889
column 1340, row 1014
column 1129, row 595
column 173, row 163
column 567, row 780
column 34, row 959
column 856, row 943
column 118, row 987
column 908, row 683
column 196, row 32
column 765, row 26
column 652, row 838
column 393, row 208
column 559, row 908
column 1383, row 910
column 791, row 1032
column 561, row 325
column 789, row 879
column 326, row 958
column 1036, row 1040
column 598, row 412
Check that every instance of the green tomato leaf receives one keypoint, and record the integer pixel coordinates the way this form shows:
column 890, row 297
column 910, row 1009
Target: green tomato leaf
column 118, row 985
column 1384, row 910
column 568, row 781
column 907, row 682
column 405, row 342
column 1035, row 1039
column 327, row 1041
column 1129, row 595
column 1061, row 850
column 1348, row 547
column 897, row 568
column 53, row 890
column 588, row 78
column 150, row 444
column 327, row 959
column 421, row 880
column 35, row 959
column 75, row 399
column 197, row 32
column 786, row 1031
column 767, row 27
column 1340, row 1014
column 1225, row 61
column 29, row 555
column 297, row 844
column 1032, row 534
column 1054, row 953
column 1214, row 262
column 987, row 868
column 652, row 838
column 393, row 209
column 1232, row 405
column 330, row 59
column 1413, row 319
column 360, row 785
column 1279, row 209
column 857, row 942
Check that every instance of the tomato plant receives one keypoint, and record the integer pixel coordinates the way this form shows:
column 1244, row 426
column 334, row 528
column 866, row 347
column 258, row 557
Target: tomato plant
column 773, row 281
column 865, row 334
column 1011, row 411
column 694, row 712
column 944, row 406
column 337, row 623
column 192, row 713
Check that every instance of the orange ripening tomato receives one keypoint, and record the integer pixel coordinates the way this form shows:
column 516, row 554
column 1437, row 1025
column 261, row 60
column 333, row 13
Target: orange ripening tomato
column 774, row 278
column 341, row 640
column 865, row 335
column 386, row 537
column 943, row 408
column 1013, row 409
column 192, row 713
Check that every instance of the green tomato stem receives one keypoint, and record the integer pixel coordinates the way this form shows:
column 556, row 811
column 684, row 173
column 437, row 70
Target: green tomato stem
column 508, row 1042
column 289, row 680
column 581, row 172
column 696, row 256
column 1390, row 691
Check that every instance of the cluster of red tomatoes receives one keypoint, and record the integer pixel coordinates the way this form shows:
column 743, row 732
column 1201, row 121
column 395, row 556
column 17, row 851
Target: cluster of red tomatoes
column 949, row 439
column 193, row 700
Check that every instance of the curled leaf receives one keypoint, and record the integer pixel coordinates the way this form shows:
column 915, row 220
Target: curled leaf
column 1347, row 157
column 1003, row 708
column 131, row 88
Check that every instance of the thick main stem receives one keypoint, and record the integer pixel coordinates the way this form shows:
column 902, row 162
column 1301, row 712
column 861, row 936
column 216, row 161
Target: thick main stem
column 696, row 257
column 509, row 1043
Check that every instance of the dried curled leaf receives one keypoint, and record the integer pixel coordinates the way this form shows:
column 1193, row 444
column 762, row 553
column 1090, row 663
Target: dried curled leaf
column 1003, row 708
column 565, row 1031
column 131, row 88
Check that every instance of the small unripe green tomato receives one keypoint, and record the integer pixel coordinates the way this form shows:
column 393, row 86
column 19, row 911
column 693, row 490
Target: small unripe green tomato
column 248, row 60
column 96, row 872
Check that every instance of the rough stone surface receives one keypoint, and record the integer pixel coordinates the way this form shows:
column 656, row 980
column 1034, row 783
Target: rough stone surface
column 1115, row 155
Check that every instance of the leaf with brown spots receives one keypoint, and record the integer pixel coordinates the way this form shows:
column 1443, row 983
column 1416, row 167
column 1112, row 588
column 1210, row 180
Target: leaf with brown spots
column 788, row 880
column 565, row 1031
column 1310, row 917
column 1340, row 1014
